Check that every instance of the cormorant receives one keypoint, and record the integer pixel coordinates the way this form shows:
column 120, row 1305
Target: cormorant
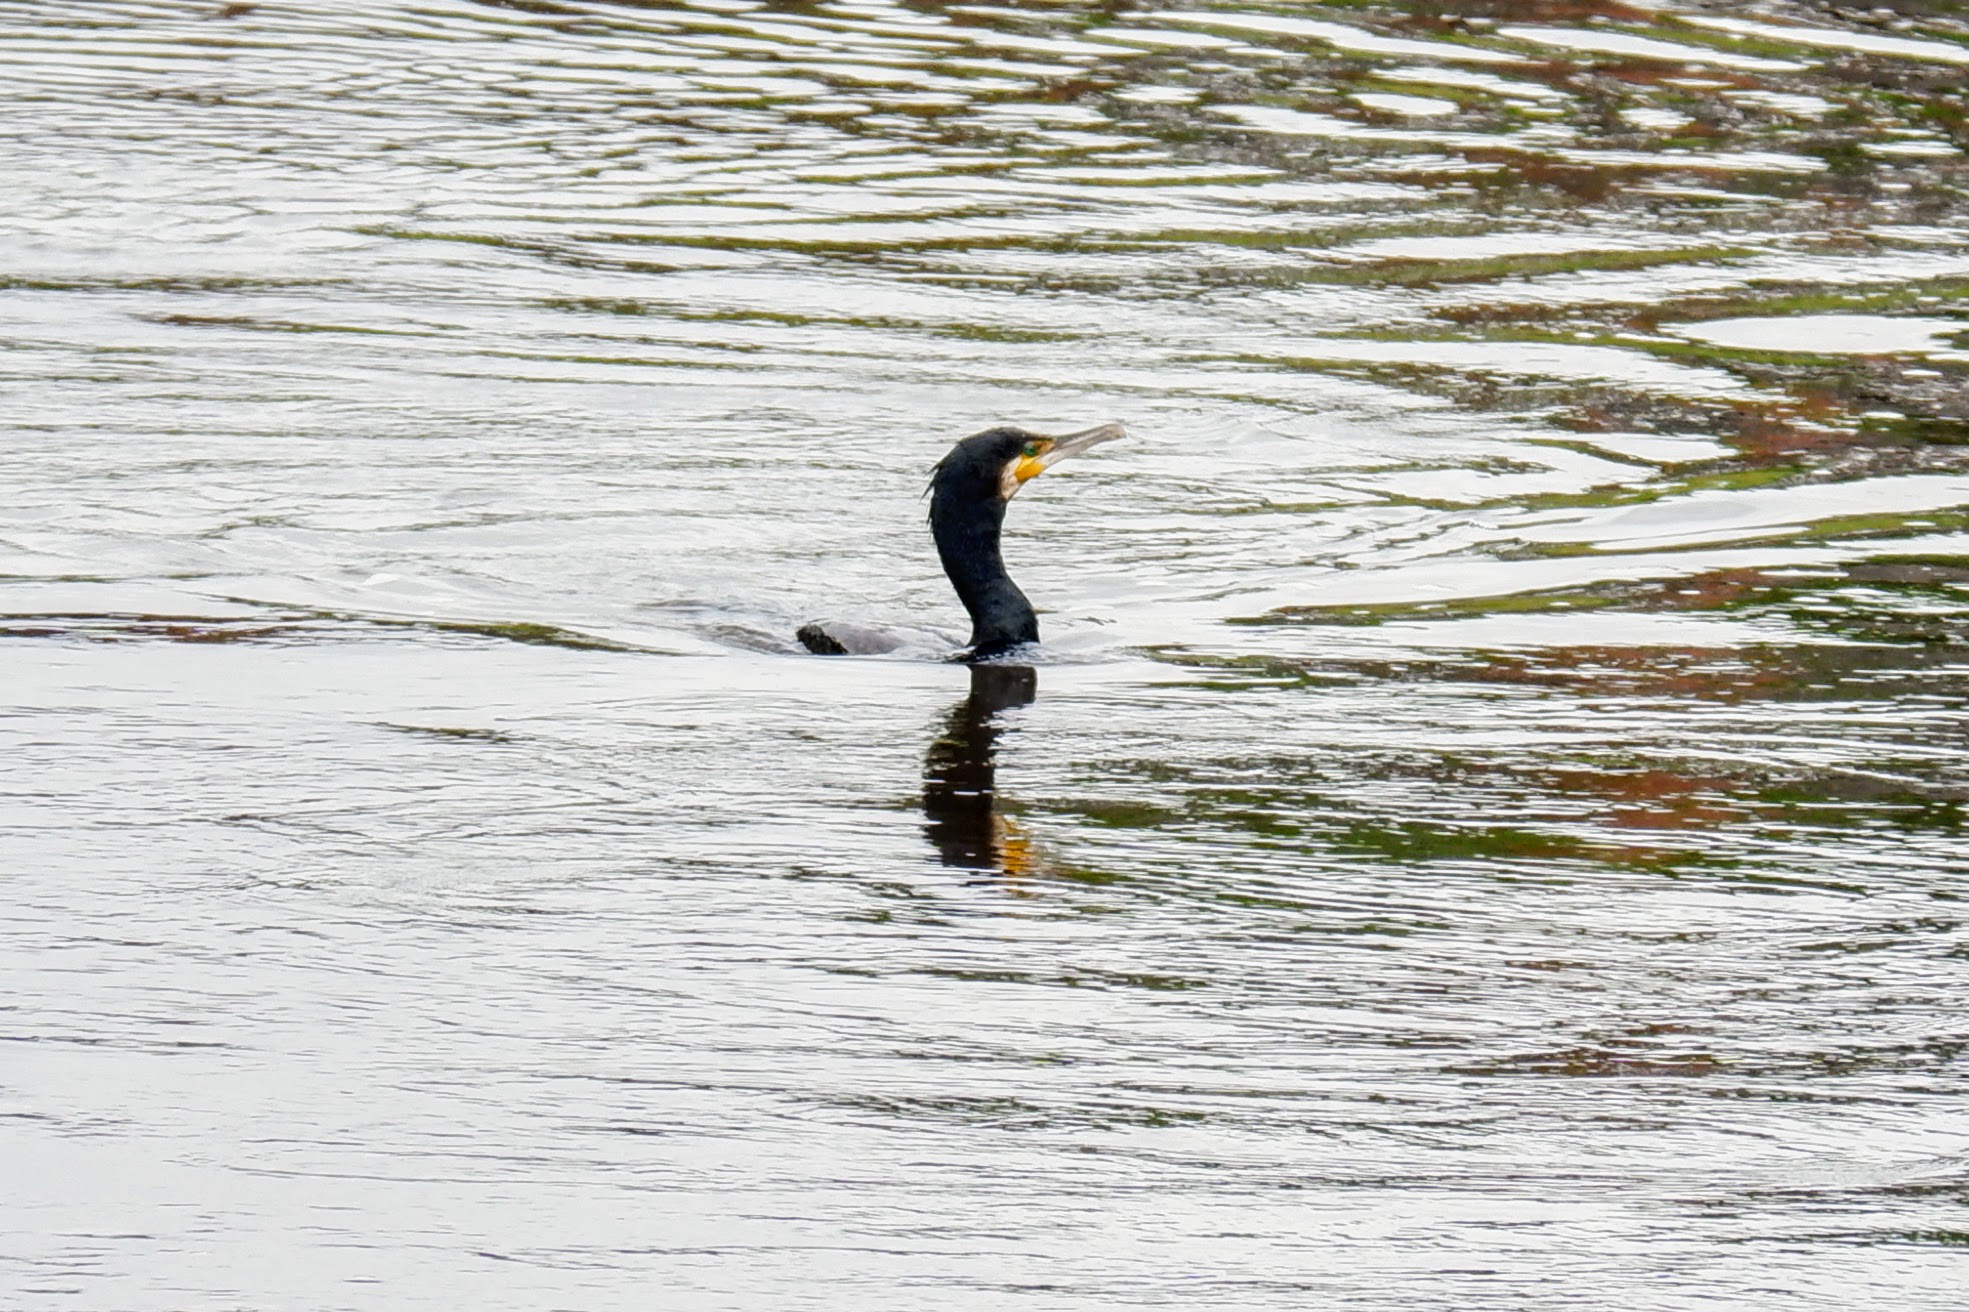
column 968, row 494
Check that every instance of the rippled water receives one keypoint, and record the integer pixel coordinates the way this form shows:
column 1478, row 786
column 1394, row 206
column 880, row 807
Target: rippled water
column 1484, row 830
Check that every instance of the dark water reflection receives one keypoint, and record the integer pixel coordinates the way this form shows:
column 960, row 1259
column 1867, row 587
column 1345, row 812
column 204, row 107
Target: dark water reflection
column 1491, row 837
column 960, row 773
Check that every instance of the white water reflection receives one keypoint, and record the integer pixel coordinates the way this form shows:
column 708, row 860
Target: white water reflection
column 1341, row 36
column 1835, row 39
column 1855, row 334
column 1640, row 47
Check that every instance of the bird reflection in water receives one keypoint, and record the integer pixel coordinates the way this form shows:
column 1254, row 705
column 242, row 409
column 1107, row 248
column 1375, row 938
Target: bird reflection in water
column 960, row 800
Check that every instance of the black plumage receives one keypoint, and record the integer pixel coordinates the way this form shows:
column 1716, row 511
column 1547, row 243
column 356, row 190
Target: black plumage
column 968, row 494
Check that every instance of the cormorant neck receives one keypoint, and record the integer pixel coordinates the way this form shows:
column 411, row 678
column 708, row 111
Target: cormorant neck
column 966, row 528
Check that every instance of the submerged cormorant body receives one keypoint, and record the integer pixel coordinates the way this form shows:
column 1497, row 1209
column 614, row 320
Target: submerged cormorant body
column 968, row 495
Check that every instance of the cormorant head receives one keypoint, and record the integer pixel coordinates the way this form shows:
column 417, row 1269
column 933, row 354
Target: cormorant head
column 967, row 508
column 995, row 464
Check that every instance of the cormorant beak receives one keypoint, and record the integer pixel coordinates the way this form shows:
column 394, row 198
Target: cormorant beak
column 1052, row 450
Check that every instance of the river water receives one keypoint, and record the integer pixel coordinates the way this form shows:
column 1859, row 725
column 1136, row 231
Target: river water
column 1483, row 831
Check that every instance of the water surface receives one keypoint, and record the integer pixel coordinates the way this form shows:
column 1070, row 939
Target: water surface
column 1484, row 829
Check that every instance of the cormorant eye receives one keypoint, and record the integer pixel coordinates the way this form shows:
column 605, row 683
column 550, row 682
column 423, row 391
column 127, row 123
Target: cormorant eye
column 1032, row 449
